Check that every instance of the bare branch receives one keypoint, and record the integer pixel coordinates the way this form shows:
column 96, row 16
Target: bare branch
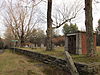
column 96, row 1
column 66, row 13
column 65, row 22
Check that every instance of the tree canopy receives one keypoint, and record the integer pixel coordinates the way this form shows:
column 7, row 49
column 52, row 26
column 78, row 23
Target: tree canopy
column 69, row 28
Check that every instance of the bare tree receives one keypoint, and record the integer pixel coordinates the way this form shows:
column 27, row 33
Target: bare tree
column 62, row 16
column 22, row 19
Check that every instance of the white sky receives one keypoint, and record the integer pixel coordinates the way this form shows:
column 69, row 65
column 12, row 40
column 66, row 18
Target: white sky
column 80, row 21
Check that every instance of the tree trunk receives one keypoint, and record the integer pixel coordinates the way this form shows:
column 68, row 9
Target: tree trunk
column 89, row 28
column 22, row 36
column 49, row 27
column 21, row 42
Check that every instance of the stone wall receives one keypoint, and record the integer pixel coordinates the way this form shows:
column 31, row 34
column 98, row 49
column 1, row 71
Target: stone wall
column 84, row 69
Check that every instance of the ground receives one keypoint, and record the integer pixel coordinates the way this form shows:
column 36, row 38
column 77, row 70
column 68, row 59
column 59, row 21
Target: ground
column 59, row 52
column 14, row 64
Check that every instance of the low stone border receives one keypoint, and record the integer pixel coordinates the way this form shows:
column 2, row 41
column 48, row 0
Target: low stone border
column 84, row 69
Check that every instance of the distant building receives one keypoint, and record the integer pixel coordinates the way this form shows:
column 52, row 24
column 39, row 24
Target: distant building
column 75, row 43
column 59, row 41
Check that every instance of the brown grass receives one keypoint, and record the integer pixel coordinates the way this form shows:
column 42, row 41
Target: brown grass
column 13, row 64
column 98, row 50
column 59, row 52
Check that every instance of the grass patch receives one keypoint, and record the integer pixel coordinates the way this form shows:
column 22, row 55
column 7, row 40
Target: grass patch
column 98, row 50
column 14, row 64
column 59, row 52
column 85, row 59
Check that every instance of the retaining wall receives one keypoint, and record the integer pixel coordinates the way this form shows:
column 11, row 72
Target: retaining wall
column 84, row 69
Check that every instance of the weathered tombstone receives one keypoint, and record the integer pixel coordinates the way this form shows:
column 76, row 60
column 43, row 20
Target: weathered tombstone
column 42, row 45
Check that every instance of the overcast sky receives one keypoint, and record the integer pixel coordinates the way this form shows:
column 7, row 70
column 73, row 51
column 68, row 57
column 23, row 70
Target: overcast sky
column 80, row 21
column 81, row 18
column 57, row 3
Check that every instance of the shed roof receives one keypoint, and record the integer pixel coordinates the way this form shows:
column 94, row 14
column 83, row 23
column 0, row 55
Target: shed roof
column 74, row 33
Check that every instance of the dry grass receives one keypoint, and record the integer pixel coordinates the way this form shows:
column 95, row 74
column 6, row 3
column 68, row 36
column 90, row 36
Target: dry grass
column 59, row 52
column 98, row 50
column 13, row 64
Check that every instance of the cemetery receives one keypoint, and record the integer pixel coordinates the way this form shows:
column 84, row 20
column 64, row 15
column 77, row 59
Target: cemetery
column 49, row 37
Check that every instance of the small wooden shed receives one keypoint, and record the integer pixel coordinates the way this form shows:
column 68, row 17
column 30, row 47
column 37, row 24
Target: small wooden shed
column 75, row 43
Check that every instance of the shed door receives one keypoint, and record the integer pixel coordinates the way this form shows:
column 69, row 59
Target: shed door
column 72, row 44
